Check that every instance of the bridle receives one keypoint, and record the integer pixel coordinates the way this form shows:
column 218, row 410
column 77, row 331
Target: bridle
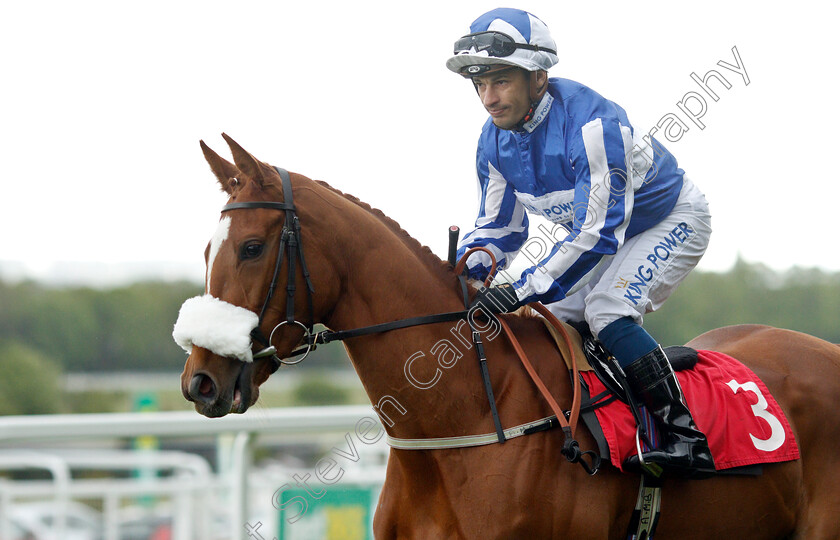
column 290, row 245
column 290, row 242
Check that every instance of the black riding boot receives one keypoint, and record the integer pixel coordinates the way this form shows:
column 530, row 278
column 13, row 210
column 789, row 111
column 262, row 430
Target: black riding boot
column 683, row 449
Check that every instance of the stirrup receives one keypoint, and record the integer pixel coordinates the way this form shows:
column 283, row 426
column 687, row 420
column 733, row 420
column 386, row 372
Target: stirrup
column 652, row 469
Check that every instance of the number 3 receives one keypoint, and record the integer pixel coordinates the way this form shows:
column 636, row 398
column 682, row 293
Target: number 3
column 759, row 409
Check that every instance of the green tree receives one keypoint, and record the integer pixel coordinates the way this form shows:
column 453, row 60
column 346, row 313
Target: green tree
column 318, row 390
column 30, row 383
column 136, row 323
column 130, row 327
column 127, row 328
column 805, row 300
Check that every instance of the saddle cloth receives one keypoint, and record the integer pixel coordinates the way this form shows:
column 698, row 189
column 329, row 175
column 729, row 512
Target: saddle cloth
column 743, row 423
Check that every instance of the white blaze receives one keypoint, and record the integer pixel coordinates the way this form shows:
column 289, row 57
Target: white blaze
column 209, row 322
column 215, row 244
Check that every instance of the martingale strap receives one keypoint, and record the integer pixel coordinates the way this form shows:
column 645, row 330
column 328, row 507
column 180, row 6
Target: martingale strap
column 482, row 362
column 571, row 449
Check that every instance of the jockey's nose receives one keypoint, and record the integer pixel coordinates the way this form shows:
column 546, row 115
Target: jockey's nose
column 203, row 389
column 488, row 95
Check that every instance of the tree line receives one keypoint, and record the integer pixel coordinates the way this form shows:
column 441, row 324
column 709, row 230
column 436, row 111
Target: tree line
column 802, row 299
column 129, row 328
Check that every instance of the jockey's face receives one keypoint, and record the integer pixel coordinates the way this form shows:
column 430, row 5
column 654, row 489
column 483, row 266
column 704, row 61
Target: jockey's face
column 505, row 95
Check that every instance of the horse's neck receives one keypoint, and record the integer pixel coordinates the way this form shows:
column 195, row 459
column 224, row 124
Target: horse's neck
column 423, row 381
column 386, row 275
column 404, row 371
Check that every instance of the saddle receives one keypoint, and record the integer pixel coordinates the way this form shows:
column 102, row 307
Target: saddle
column 598, row 361
column 596, row 358
column 720, row 391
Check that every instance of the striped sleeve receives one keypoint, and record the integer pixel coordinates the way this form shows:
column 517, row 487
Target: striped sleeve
column 602, row 208
column 502, row 223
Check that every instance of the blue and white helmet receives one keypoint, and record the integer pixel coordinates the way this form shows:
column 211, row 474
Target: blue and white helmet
column 504, row 36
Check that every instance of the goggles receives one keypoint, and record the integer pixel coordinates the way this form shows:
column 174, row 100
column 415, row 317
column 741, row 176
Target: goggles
column 496, row 44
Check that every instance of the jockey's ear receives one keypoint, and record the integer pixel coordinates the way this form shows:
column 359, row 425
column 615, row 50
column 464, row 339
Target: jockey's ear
column 245, row 162
column 539, row 84
column 542, row 81
column 225, row 171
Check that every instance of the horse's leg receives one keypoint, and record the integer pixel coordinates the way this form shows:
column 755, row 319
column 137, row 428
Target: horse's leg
column 386, row 515
column 411, row 504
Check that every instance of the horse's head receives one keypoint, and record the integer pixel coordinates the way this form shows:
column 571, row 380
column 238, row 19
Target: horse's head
column 228, row 329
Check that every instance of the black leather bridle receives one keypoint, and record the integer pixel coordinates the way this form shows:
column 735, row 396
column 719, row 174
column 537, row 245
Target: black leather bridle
column 290, row 242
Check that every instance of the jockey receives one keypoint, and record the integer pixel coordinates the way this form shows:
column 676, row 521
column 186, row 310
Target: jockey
column 628, row 225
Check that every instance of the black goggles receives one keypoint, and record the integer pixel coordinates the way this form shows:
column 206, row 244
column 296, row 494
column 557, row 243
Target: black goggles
column 495, row 43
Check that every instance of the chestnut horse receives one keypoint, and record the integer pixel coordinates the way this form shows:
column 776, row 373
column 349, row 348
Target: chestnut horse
column 365, row 270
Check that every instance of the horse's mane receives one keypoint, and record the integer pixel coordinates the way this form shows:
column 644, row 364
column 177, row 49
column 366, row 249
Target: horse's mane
column 442, row 268
column 425, row 254
column 435, row 264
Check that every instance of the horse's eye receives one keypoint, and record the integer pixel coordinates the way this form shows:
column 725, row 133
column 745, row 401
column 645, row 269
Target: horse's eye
column 251, row 250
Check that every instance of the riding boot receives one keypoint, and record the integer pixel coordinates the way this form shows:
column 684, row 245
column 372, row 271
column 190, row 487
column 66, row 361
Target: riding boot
column 683, row 450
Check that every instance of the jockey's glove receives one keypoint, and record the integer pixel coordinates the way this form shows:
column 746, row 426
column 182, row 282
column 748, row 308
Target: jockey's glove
column 497, row 299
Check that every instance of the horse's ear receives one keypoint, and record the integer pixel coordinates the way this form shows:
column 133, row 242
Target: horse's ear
column 225, row 171
column 245, row 162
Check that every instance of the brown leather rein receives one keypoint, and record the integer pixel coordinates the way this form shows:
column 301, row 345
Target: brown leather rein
column 571, row 449
column 574, row 414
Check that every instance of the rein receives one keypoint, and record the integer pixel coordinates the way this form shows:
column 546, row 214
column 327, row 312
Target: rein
column 290, row 243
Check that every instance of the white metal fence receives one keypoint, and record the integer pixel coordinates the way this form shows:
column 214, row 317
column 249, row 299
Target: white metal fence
column 234, row 501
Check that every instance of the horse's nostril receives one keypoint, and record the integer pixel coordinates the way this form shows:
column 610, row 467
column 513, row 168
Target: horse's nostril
column 202, row 388
column 206, row 386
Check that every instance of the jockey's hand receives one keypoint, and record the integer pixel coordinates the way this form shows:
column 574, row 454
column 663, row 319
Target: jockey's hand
column 498, row 299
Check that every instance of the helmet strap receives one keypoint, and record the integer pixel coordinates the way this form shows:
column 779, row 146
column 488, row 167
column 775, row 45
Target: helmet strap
column 535, row 94
column 527, row 117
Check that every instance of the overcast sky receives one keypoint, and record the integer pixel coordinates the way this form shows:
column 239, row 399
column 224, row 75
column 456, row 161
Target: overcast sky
column 104, row 104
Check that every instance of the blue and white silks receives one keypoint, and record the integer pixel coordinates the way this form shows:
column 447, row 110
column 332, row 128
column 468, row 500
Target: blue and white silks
column 578, row 163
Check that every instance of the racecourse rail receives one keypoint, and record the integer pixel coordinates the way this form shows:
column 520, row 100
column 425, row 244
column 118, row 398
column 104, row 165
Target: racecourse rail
column 20, row 437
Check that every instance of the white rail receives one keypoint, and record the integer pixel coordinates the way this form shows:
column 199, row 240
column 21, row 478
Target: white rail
column 192, row 471
column 290, row 420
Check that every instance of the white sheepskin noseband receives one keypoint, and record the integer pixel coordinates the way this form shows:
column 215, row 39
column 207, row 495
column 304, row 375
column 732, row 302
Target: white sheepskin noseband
column 205, row 321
